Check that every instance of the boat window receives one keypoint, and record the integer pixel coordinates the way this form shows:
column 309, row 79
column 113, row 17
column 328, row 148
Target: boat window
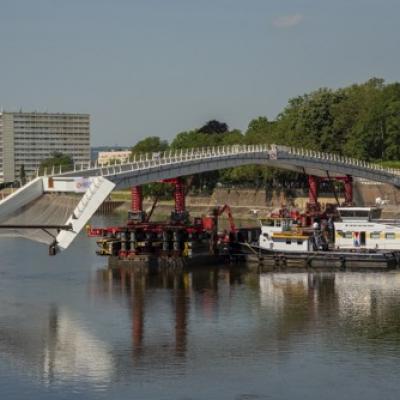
column 265, row 235
column 286, row 225
column 375, row 235
column 340, row 233
column 376, row 213
column 348, row 235
column 288, row 241
column 267, row 222
column 299, row 242
column 390, row 235
column 363, row 214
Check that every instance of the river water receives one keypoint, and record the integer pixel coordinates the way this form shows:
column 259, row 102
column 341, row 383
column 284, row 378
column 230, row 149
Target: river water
column 69, row 328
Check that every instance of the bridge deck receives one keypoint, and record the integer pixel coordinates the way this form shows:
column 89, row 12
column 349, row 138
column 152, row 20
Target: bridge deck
column 48, row 209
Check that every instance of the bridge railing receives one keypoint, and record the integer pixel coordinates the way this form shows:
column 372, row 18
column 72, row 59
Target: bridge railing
column 172, row 156
column 146, row 160
column 334, row 157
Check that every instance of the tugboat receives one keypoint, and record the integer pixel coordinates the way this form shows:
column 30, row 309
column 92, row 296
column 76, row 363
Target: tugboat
column 358, row 240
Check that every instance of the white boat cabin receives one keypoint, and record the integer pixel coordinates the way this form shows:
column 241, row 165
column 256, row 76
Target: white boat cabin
column 360, row 228
column 279, row 234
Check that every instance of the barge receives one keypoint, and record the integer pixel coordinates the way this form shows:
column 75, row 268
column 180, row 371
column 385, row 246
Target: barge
column 357, row 240
column 176, row 243
column 326, row 260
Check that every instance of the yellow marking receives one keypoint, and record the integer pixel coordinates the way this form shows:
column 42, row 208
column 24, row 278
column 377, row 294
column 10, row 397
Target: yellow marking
column 288, row 236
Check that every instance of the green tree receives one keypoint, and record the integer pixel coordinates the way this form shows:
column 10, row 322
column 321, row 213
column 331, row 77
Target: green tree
column 22, row 175
column 308, row 121
column 214, row 127
column 365, row 109
column 190, row 139
column 260, row 130
column 390, row 127
column 58, row 161
column 150, row 144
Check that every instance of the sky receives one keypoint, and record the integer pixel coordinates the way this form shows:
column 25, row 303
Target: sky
column 158, row 67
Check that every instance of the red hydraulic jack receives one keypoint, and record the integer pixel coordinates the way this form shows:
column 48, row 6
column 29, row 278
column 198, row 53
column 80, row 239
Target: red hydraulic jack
column 137, row 214
column 136, row 199
column 348, row 189
column 313, row 191
column 313, row 206
column 180, row 214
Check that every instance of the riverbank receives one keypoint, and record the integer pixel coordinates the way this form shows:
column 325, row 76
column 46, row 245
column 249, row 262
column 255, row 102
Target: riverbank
column 246, row 203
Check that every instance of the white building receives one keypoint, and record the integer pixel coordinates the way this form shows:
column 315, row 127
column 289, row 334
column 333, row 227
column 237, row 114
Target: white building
column 104, row 157
column 27, row 138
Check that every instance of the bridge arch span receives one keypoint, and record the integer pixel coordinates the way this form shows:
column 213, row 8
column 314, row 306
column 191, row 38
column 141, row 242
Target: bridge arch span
column 158, row 166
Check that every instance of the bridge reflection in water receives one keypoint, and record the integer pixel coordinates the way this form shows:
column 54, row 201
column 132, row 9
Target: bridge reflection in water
column 251, row 312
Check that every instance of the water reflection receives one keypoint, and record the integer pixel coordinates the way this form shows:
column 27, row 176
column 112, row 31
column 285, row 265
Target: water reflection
column 72, row 352
column 130, row 327
column 55, row 347
column 140, row 291
column 263, row 308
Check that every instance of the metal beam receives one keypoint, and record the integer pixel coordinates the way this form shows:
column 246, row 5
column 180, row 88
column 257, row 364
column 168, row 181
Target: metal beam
column 21, row 226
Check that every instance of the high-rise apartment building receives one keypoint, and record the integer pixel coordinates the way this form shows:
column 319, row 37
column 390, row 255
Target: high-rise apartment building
column 27, row 138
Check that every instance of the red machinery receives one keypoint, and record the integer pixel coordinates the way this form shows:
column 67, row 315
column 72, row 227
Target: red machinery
column 211, row 222
column 175, row 237
column 313, row 210
column 179, row 237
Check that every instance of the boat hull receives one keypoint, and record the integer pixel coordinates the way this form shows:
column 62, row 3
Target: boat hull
column 328, row 260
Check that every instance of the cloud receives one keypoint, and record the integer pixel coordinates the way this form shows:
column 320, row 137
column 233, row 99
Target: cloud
column 287, row 21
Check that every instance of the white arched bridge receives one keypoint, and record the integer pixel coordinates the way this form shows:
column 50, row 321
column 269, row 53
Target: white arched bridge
column 153, row 167
column 33, row 206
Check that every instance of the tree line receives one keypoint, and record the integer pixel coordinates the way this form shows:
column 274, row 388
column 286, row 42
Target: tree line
column 360, row 121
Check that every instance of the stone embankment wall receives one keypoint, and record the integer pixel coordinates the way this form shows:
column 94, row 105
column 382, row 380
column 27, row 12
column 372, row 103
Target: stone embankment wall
column 245, row 201
column 365, row 194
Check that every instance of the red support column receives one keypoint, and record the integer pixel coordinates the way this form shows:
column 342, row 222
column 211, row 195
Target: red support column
column 179, row 194
column 136, row 199
column 312, row 190
column 348, row 190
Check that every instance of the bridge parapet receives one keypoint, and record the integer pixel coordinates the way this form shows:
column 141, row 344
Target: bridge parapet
column 306, row 153
column 218, row 157
column 146, row 160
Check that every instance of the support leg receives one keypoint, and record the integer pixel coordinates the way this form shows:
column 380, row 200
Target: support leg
column 348, row 190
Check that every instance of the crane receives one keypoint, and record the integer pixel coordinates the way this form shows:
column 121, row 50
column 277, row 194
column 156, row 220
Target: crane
column 218, row 211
